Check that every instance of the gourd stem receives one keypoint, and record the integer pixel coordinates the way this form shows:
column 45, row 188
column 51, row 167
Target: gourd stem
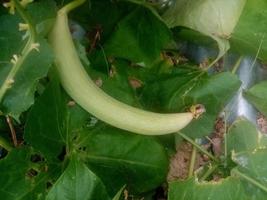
column 72, row 5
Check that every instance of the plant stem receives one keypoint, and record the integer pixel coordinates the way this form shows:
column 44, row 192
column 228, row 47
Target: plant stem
column 237, row 64
column 72, row 5
column 5, row 144
column 225, row 142
column 249, row 179
column 192, row 162
column 197, row 146
column 208, row 172
column 12, row 131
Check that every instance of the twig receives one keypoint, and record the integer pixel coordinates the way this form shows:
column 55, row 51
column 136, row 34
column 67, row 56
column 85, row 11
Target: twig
column 12, row 131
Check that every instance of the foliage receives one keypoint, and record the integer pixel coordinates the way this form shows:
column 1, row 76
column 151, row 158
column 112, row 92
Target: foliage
column 133, row 53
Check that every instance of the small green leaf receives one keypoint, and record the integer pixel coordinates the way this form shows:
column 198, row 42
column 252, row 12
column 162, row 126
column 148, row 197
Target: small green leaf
column 257, row 95
column 77, row 183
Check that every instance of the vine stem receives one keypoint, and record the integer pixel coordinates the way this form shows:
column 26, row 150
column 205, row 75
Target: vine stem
column 12, row 131
column 198, row 146
column 9, row 81
column 249, row 179
column 237, row 64
column 5, row 144
column 192, row 162
column 209, row 172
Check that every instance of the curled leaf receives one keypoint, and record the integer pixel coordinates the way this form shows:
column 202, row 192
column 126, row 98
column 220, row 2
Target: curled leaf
column 214, row 18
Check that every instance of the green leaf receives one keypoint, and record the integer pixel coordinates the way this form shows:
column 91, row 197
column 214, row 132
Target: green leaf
column 225, row 189
column 10, row 40
column 43, row 14
column 257, row 95
column 178, row 89
column 20, row 96
column 214, row 18
column 77, row 183
column 119, row 193
column 45, row 128
column 252, row 171
column 19, row 179
column 247, row 147
column 90, row 18
column 242, row 136
column 249, row 36
column 117, row 85
column 13, row 182
column 252, row 163
column 41, row 11
column 120, row 158
column 142, row 34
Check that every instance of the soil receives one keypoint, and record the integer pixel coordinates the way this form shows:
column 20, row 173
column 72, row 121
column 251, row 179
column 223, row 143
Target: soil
column 262, row 123
column 217, row 137
column 180, row 162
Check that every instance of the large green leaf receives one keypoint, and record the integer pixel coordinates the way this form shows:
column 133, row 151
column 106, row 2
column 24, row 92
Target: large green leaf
column 45, row 129
column 214, row 18
column 249, row 36
column 120, row 158
column 20, row 96
column 242, row 136
column 52, row 123
column 225, row 189
column 90, row 18
column 43, row 14
column 178, row 89
column 77, row 183
column 247, row 148
column 117, row 85
column 257, row 95
column 139, row 37
column 252, row 171
column 19, row 179
column 10, row 39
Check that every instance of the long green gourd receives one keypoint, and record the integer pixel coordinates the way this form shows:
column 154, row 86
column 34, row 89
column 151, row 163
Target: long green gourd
column 83, row 90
